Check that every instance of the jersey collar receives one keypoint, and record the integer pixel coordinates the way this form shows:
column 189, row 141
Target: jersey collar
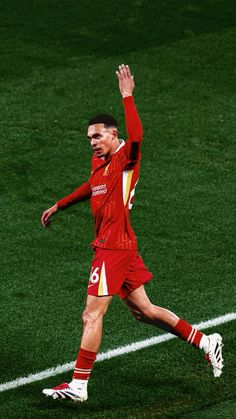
column 122, row 143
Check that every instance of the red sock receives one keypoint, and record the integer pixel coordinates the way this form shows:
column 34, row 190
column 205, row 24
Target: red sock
column 188, row 333
column 84, row 364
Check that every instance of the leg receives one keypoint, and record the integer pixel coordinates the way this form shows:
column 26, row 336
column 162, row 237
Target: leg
column 143, row 310
column 92, row 318
column 146, row 312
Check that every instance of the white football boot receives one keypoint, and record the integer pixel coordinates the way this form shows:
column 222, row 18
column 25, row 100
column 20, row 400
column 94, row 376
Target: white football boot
column 214, row 354
column 64, row 391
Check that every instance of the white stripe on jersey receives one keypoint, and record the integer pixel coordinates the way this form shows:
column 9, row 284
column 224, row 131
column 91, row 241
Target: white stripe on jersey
column 126, row 181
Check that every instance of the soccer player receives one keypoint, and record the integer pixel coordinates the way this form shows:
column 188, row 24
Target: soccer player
column 117, row 267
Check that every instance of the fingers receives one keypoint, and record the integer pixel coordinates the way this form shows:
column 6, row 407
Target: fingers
column 45, row 219
column 118, row 75
column 126, row 80
column 124, row 72
column 128, row 71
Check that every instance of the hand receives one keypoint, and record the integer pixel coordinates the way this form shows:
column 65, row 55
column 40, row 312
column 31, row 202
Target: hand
column 126, row 80
column 45, row 219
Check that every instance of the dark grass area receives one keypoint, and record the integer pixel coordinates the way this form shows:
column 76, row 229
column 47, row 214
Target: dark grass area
column 55, row 33
column 225, row 409
column 57, row 69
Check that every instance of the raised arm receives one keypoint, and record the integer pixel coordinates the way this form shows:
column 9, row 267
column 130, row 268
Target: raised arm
column 80, row 194
column 133, row 123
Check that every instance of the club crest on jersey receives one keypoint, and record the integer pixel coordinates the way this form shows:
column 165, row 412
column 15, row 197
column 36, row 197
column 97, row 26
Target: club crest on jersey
column 106, row 170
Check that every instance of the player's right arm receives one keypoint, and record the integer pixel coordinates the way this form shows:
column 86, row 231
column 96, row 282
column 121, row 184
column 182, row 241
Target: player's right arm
column 80, row 194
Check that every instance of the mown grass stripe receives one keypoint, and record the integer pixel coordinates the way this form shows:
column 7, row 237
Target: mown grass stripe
column 123, row 350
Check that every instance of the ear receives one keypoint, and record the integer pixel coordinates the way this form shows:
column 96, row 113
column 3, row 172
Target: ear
column 114, row 133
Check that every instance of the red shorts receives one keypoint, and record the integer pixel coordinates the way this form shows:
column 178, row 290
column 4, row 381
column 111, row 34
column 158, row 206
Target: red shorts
column 117, row 272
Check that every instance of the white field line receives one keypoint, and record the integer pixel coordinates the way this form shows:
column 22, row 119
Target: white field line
column 112, row 353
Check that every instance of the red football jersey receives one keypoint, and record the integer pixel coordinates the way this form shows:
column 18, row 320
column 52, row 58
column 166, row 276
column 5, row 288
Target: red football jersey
column 111, row 188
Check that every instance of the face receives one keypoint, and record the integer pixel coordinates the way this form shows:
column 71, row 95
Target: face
column 103, row 140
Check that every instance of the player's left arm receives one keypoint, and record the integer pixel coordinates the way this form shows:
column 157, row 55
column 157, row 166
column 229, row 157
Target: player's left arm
column 133, row 123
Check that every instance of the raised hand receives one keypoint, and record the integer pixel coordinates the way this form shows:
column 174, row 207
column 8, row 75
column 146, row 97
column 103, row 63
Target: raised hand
column 126, row 80
column 45, row 219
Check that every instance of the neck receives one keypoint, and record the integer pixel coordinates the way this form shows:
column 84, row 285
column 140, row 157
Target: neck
column 115, row 146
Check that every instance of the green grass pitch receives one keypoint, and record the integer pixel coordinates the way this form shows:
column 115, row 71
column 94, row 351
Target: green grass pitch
column 58, row 62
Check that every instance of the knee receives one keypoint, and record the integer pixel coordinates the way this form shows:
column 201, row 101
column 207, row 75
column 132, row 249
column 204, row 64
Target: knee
column 90, row 317
column 143, row 313
column 87, row 317
column 137, row 314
